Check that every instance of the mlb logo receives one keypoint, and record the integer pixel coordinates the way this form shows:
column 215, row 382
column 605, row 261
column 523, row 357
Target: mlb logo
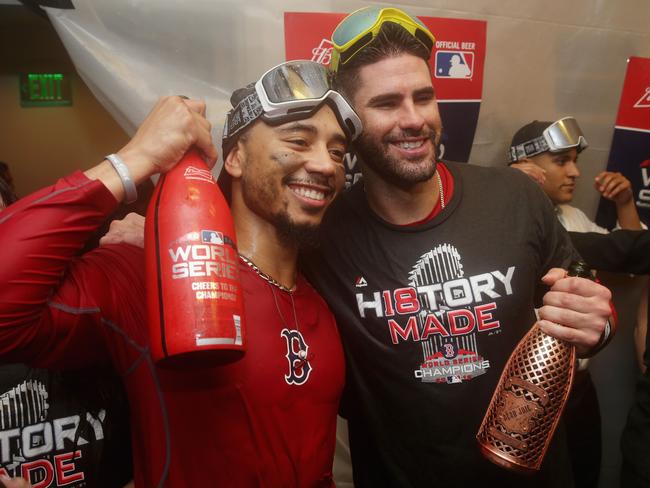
column 211, row 237
column 454, row 64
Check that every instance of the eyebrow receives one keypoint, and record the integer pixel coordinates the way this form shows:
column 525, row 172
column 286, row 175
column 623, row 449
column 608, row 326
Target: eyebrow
column 389, row 97
column 299, row 126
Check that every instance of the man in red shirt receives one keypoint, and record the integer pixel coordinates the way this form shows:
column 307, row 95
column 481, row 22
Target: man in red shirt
column 266, row 420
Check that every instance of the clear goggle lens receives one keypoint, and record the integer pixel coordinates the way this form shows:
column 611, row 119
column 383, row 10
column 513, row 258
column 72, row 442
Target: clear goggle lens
column 565, row 133
column 296, row 80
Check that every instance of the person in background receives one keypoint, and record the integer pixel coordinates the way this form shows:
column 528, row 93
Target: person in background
column 548, row 153
column 7, row 194
column 91, row 447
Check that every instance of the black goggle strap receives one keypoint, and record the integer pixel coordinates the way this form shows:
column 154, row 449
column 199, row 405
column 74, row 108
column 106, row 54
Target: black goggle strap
column 528, row 148
column 246, row 111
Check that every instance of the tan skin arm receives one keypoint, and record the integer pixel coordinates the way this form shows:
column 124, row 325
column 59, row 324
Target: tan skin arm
column 617, row 188
column 169, row 131
column 7, row 482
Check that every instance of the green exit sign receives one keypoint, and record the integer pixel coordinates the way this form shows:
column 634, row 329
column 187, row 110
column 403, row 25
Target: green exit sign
column 45, row 90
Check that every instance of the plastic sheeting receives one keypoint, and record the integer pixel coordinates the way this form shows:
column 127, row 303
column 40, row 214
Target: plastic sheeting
column 544, row 59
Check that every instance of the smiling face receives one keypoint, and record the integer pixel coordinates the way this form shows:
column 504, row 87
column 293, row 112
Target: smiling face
column 561, row 174
column 289, row 174
column 401, row 123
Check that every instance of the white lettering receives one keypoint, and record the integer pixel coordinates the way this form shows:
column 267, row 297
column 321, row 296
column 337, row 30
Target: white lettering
column 376, row 304
column 505, row 279
column 457, row 299
column 5, row 443
column 97, row 423
column 181, row 253
column 644, row 198
column 483, row 283
column 645, row 175
column 37, row 439
column 65, row 428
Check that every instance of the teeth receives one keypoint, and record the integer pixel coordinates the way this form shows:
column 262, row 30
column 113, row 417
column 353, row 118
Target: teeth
column 410, row 145
column 309, row 193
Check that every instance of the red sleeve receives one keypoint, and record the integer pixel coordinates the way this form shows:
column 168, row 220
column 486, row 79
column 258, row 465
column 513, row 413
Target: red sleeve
column 48, row 298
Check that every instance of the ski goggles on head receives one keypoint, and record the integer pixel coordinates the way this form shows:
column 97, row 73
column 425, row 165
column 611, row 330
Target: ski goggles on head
column 291, row 91
column 560, row 136
column 359, row 28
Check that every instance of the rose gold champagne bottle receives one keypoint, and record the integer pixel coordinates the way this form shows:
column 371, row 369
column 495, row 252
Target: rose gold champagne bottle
column 529, row 399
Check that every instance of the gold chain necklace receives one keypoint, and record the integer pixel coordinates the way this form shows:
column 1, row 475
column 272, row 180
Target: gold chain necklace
column 441, row 192
column 302, row 353
column 264, row 276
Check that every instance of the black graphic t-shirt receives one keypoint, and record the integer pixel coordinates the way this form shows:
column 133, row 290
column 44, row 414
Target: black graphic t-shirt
column 428, row 316
column 54, row 434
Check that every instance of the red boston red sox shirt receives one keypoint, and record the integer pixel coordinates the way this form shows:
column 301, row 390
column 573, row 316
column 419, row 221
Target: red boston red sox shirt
column 267, row 420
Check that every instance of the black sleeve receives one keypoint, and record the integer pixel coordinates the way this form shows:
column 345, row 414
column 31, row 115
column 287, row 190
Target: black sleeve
column 621, row 251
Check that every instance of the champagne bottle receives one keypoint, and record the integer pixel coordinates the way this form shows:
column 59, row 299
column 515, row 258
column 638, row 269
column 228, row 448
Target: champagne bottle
column 194, row 298
column 529, row 399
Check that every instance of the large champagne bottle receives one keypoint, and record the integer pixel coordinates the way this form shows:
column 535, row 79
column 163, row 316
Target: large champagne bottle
column 529, row 399
column 195, row 300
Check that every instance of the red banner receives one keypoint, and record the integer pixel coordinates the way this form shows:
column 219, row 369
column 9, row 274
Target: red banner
column 456, row 63
column 634, row 109
column 630, row 152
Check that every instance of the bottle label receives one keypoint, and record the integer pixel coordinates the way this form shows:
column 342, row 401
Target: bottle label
column 208, row 259
column 518, row 413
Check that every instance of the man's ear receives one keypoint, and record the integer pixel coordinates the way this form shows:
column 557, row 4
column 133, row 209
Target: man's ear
column 233, row 162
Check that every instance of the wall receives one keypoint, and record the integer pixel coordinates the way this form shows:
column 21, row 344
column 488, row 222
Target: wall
column 41, row 144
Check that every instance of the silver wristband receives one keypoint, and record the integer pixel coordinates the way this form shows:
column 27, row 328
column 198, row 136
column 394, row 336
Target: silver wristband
column 605, row 337
column 125, row 175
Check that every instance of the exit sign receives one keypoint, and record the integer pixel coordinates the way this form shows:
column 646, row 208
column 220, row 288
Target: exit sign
column 45, row 90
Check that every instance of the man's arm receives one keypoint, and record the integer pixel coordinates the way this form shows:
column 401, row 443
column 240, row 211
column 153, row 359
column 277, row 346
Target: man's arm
column 621, row 251
column 617, row 188
column 169, row 131
column 42, row 234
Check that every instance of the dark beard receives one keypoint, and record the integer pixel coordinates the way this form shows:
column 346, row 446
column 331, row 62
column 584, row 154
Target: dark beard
column 373, row 155
column 294, row 234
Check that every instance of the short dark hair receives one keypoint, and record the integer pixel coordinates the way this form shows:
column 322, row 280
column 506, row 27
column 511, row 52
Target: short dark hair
column 392, row 40
column 529, row 131
column 7, row 196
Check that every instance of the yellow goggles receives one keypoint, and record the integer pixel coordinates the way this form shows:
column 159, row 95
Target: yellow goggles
column 359, row 28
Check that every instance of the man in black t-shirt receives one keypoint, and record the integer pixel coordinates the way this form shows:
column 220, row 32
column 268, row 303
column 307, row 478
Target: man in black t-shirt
column 432, row 270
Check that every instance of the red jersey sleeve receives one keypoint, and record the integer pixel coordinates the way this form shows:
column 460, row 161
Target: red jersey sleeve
column 49, row 298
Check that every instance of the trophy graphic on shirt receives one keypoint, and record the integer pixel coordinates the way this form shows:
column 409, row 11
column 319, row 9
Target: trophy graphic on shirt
column 529, row 399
